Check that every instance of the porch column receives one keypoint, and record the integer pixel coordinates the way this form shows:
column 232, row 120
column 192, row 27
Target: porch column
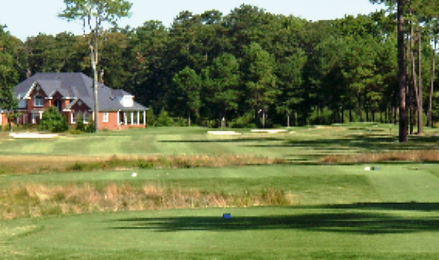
column 144, row 117
column 93, row 115
column 138, row 117
column 132, row 118
column 41, row 114
column 24, row 119
column 125, row 118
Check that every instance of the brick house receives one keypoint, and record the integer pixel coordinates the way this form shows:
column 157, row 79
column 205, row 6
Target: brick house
column 72, row 94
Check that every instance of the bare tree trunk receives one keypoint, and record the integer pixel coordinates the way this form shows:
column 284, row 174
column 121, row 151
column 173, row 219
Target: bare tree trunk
column 413, row 91
column 403, row 121
column 433, row 74
column 189, row 118
column 360, row 106
column 419, row 102
column 263, row 118
column 94, row 65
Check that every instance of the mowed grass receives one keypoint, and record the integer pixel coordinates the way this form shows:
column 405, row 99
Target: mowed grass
column 332, row 211
column 391, row 231
column 336, row 212
column 300, row 144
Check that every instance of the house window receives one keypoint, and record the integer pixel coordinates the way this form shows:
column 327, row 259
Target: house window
column 86, row 117
column 22, row 103
column 36, row 118
column 105, row 117
column 38, row 101
column 74, row 117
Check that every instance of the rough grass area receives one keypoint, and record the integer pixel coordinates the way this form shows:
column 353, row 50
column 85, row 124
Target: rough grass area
column 406, row 156
column 51, row 164
column 35, row 200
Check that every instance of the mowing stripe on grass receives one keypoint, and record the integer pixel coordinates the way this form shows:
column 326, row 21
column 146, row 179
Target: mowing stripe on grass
column 405, row 185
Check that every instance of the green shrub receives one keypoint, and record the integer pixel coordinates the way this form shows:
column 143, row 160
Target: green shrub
column 91, row 127
column 150, row 117
column 80, row 126
column 180, row 121
column 53, row 121
column 164, row 119
column 322, row 117
column 247, row 120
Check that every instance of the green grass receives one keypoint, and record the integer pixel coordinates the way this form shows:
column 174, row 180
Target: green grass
column 301, row 144
column 350, row 231
column 338, row 211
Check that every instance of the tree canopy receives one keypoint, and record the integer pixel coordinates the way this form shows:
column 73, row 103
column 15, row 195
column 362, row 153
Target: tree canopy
column 251, row 67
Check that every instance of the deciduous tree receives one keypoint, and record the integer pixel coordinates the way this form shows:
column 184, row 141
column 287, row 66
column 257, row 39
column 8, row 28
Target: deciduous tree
column 93, row 13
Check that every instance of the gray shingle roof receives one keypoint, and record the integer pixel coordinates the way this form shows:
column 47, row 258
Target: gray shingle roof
column 77, row 85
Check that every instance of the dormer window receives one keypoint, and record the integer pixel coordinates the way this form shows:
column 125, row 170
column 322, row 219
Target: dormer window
column 127, row 101
column 38, row 101
column 22, row 103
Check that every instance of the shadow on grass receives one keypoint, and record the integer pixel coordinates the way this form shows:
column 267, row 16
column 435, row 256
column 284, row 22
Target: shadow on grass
column 344, row 219
column 363, row 142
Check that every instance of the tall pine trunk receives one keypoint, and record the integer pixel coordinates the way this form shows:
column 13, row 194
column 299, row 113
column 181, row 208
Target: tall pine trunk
column 413, row 91
column 189, row 118
column 433, row 74
column 419, row 102
column 403, row 120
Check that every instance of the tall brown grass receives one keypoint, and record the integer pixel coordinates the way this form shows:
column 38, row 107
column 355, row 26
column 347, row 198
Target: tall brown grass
column 407, row 156
column 36, row 199
column 47, row 164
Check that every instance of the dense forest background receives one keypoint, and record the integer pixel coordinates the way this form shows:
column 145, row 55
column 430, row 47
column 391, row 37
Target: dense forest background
column 249, row 67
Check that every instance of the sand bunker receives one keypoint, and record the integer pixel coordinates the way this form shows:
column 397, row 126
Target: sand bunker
column 32, row 135
column 270, row 131
column 223, row 133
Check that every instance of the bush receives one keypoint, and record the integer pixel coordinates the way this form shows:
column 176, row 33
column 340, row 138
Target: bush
column 150, row 117
column 53, row 121
column 244, row 121
column 91, row 127
column 80, row 126
column 322, row 117
column 180, row 121
column 164, row 119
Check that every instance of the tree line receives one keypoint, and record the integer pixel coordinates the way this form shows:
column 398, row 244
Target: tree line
column 252, row 67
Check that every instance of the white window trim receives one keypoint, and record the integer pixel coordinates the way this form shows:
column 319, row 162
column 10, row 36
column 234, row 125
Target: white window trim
column 72, row 121
column 105, row 117
column 35, row 101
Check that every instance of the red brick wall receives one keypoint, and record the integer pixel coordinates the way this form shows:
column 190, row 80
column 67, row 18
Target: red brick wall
column 112, row 121
column 4, row 120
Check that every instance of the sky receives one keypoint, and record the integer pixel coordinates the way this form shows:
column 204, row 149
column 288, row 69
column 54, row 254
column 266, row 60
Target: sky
column 26, row 18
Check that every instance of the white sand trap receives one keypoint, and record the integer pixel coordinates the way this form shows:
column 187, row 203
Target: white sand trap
column 32, row 135
column 223, row 133
column 270, row 131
